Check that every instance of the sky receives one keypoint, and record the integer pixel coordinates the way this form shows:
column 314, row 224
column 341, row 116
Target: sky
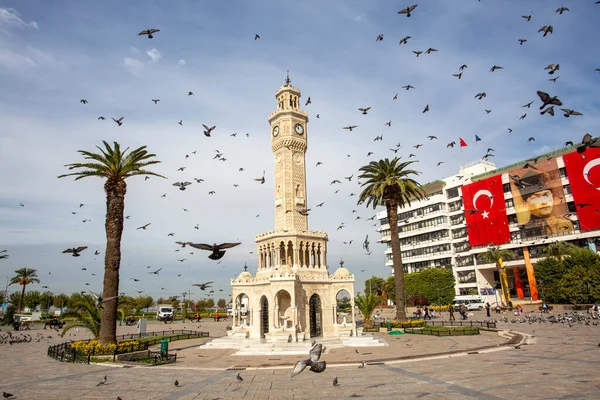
column 53, row 54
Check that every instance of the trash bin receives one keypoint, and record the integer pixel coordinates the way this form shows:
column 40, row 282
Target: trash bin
column 388, row 325
column 164, row 347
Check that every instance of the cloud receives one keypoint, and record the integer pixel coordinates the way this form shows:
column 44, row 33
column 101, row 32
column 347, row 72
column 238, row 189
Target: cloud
column 12, row 60
column 133, row 65
column 10, row 18
column 181, row 62
column 334, row 60
column 154, row 54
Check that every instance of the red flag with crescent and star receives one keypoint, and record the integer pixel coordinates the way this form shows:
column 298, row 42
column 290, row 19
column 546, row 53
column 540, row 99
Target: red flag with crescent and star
column 584, row 177
column 485, row 212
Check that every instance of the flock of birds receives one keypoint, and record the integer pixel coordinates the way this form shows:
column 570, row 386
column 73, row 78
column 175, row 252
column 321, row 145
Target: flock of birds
column 548, row 102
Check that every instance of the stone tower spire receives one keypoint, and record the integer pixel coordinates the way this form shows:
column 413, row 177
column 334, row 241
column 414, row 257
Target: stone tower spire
column 289, row 145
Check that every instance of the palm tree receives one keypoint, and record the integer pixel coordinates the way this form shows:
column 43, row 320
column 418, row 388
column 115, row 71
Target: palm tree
column 86, row 315
column 24, row 277
column 388, row 183
column 559, row 249
column 3, row 256
column 115, row 166
column 366, row 305
column 496, row 255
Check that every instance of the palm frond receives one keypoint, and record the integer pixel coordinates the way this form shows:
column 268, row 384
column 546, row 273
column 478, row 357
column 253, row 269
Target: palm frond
column 113, row 164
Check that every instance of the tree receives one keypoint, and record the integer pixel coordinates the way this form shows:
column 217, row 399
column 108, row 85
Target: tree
column 559, row 249
column 24, row 277
column 574, row 279
column 60, row 301
column 3, row 256
column 222, row 303
column 388, row 183
column 127, row 303
column 390, row 287
column 375, row 285
column 496, row 255
column 32, row 299
column 143, row 302
column 115, row 166
column 366, row 305
column 436, row 285
column 86, row 315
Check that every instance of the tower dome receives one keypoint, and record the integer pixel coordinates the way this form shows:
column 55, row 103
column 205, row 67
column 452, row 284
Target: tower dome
column 341, row 272
column 245, row 275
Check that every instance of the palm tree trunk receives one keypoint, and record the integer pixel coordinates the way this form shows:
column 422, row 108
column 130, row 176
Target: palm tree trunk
column 22, row 300
column 115, row 209
column 392, row 212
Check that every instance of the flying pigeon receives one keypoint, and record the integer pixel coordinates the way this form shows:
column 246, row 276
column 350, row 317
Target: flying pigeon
column 148, row 32
column 217, row 250
column 312, row 362
column 75, row 251
column 208, row 130
column 408, row 10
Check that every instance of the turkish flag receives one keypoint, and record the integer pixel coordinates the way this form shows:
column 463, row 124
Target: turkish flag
column 485, row 212
column 584, row 177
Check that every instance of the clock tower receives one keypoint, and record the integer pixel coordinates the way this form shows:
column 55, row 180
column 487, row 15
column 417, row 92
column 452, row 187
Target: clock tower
column 289, row 145
column 291, row 243
column 292, row 297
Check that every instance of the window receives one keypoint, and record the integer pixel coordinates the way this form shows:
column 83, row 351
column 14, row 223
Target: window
column 451, row 193
column 572, row 207
column 464, row 261
column 512, row 219
column 443, row 263
column 567, row 189
column 467, row 291
column 506, row 187
column 455, row 205
column 437, row 249
column 466, row 276
column 563, row 172
column 425, row 237
column 509, row 203
column 384, row 221
column 423, row 224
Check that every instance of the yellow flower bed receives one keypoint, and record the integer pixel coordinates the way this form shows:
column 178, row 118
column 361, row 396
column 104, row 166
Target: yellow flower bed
column 94, row 347
column 409, row 324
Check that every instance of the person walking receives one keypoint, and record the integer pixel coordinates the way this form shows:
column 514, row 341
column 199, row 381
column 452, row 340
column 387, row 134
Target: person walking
column 487, row 309
column 426, row 316
column 451, row 311
column 463, row 311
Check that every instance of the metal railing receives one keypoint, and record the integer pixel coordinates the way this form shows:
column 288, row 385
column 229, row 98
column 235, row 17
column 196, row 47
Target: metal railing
column 65, row 352
column 491, row 324
column 433, row 332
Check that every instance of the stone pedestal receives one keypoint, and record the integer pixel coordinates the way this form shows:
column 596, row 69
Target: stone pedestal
column 281, row 336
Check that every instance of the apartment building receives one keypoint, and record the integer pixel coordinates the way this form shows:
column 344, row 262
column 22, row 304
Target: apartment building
column 462, row 216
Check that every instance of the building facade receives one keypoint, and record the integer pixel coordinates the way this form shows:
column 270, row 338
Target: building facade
column 292, row 297
column 556, row 197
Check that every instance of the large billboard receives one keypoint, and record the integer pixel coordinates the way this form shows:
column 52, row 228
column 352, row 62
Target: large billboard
column 584, row 179
column 485, row 212
column 539, row 199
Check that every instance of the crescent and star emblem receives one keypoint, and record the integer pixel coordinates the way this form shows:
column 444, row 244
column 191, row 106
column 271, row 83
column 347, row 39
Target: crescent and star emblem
column 586, row 171
column 488, row 194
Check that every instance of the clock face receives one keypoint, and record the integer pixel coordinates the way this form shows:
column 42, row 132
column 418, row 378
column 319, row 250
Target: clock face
column 299, row 129
column 276, row 130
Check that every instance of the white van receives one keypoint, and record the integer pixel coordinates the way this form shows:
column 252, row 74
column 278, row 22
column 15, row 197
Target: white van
column 471, row 302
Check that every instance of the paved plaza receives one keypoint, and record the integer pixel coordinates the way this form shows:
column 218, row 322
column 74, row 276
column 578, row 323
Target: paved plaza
column 559, row 362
